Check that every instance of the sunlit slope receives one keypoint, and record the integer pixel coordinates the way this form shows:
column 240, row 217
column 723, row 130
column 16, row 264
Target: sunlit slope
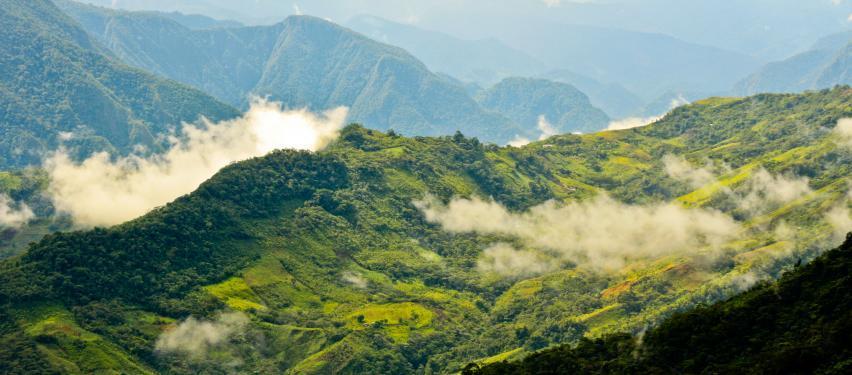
column 796, row 325
column 336, row 267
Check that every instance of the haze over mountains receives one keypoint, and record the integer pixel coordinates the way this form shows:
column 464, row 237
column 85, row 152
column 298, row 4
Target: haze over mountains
column 564, row 187
column 825, row 64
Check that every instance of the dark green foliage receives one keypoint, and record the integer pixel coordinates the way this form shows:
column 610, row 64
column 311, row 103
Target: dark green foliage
column 192, row 241
column 799, row 325
column 18, row 354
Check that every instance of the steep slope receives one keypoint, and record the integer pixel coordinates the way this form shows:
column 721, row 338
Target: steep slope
column 54, row 80
column 303, row 62
column 823, row 66
column 226, row 63
column 799, row 324
column 324, row 262
column 482, row 61
column 321, row 65
column 525, row 100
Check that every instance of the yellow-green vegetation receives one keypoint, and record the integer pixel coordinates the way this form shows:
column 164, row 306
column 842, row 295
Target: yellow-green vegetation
column 397, row 319
column 236, row 294
column 332, row 262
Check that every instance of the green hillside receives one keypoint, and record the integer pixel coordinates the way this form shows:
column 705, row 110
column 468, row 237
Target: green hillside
column 798, row 325
column 57, row 86
column 331, row 267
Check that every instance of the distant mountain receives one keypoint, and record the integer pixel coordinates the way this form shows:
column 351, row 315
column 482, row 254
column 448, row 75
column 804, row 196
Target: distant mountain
column 483, row 61
column 612, row 98
column 799, row 325
column 826, row 64
column 647, row 64
column 197, row 21
column 321, row 65
column 59, row 86
column 524, row 100
column 303, row 62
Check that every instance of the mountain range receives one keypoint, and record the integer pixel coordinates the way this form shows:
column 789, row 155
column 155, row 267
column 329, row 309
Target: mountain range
column 401, row 245
column 824, row 65
column 485, row 62
column 303, row 62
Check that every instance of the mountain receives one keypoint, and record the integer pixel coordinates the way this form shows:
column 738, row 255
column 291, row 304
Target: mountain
column 648, row 64
column 197, row 21
column 485, row 61
column 524, row 100
column 612, row 98
column 386, row 254
column 799, row 324
column 303, row 62
column 57, row 86
column 825, row 65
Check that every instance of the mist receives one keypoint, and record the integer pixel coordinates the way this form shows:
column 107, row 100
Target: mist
column 601, row 234
column 195, row 338
column 13, row 215
column 843, row 133
column 102, row 191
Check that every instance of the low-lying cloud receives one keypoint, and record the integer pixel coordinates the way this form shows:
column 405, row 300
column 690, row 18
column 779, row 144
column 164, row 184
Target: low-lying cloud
column 843, row 133
column 840, row 218
column 195, row 338
column 545, row 128
column 355, row 279
column 13, row 215
column 101, row 191
column 765, row 192
column 762, row 192
column 601, row 233
column 680, row 169
column 632, row 122
column 636, row 122
column 505, row 260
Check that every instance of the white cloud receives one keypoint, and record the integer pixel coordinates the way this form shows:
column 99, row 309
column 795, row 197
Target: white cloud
column 13, row 215
column 765, row 192
column 519, row 141
column 101, row 191
column 632, row 122
column 195, row 338
column 601, row 234
column 840, row 218
column 355, row 279
column 843, row 133
column 504, row 260
column 547, row 130
column 679, row 169
column 635, row 122
column 552, row 3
